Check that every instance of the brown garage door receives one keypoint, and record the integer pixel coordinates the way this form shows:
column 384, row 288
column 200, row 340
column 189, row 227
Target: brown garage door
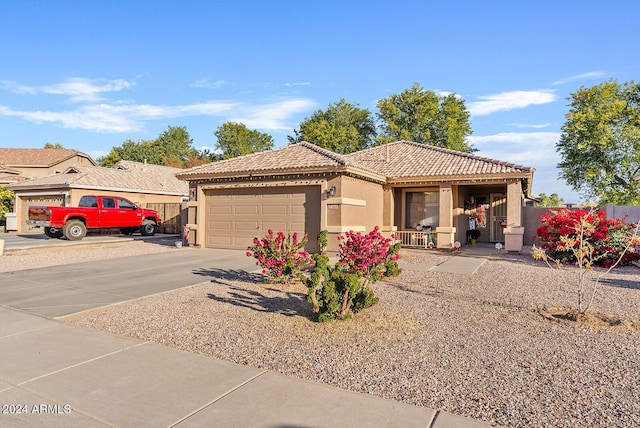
column 236, row 216
column 28, row 201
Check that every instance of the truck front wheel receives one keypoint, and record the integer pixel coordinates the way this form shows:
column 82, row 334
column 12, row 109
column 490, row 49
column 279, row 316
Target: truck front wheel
column 53, row 232
column 74, row 230
column 148, row 228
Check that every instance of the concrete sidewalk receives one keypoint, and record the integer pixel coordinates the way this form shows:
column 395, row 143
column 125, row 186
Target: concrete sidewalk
column 56, row 375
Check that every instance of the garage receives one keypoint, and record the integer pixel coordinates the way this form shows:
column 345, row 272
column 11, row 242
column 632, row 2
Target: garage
column 236, row 216
column 40, row 200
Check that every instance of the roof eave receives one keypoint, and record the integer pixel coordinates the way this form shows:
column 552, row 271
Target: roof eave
column 333, row 169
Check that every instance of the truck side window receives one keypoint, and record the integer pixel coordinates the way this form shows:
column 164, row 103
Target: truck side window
column 88, row 202
column 123, row 203
column 108, row 203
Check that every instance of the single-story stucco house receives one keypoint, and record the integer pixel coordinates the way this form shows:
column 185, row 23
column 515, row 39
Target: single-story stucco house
column 139, row 182
column 416, row 190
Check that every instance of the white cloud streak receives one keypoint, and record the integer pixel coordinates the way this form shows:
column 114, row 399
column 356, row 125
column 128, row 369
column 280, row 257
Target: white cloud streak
column 77, row 89
column 273, row 116
column 583, row 76
column 204, row 83
column 505, row 101
column 535, row 149
column 116, row 118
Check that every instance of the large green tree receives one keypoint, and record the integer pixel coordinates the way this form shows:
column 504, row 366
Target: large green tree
column 425, row 117
column 600, row 143
column 342, row 128
column 173, row 147
column 235, row 139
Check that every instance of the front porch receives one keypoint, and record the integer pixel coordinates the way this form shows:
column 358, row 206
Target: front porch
column 438, row 216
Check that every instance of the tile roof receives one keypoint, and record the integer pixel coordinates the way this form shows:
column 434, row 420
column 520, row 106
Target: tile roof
column 404, row 159
column 300, row 156
column 395, row 161
column 132, row 176
column 37, row 157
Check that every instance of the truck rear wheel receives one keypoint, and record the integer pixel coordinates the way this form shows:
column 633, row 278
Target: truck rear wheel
column 53, row 232
column 74, row 230
column 148, row 228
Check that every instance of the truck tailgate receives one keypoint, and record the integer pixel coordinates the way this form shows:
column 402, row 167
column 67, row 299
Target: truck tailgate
column 38, row 213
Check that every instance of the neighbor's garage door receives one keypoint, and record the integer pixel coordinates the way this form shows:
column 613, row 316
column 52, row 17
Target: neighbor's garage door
column 28, row 201
column 236, row 216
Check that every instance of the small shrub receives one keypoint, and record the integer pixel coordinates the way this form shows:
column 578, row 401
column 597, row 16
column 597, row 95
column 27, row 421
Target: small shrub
column 340, row 292
column 282, row 257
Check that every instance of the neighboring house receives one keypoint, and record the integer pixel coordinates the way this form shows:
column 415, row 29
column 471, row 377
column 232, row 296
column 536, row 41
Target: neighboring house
column 401, row 186
column 141, row 183
column 9, row 176
column 31, row 163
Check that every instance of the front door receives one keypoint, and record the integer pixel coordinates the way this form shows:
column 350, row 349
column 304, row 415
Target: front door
column 498, row 215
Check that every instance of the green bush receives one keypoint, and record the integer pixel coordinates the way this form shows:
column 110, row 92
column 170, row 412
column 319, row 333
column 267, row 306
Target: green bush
column 344, row 290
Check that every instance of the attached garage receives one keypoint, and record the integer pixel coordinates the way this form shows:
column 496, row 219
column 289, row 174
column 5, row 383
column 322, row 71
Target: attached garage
column 40, row 200
column 235, row 216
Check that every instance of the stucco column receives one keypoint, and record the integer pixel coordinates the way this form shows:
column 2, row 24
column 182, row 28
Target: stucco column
column 514, row 232
column 199, row 219
column 388, row 208
column 445, row 230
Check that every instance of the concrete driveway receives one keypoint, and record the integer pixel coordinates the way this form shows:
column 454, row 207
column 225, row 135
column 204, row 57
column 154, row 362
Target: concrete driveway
column 62, row 290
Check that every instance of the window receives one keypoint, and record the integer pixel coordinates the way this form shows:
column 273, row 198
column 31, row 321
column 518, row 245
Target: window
column 123, row 203
column 108, row 203
column 422, row 209
column 88, row 202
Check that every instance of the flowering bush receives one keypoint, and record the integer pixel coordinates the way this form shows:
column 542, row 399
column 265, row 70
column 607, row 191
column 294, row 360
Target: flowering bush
column 560, row 233
column 586, row 239
column 367, row 254
column 340, row 292
column 281, row 257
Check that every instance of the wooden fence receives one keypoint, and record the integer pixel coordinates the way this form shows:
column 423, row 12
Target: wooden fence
column 170, row 214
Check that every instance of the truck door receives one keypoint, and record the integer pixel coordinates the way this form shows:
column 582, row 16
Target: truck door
column 128, row 214
column 108, row 212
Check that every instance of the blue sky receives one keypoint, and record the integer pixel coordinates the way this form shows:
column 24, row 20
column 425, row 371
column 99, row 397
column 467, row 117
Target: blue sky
column 91, row 74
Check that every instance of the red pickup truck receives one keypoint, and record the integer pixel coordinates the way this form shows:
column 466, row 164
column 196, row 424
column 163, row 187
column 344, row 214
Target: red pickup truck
column 94, row 212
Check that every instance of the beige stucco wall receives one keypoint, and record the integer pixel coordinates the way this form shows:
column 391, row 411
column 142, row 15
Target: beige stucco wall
column 357, row 206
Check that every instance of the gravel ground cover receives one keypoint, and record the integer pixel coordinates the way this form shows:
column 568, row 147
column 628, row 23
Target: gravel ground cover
column 486, row 345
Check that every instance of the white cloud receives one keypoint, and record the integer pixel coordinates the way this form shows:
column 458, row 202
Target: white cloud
column 115, row 118
column 204, row 83
column 86, row 90
column 583, row 76
column 510, row 100
column 524, row 148
column 273, row 116
column 297, row 84
column 530, row 125
column 17, row 88
column 79, row 89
